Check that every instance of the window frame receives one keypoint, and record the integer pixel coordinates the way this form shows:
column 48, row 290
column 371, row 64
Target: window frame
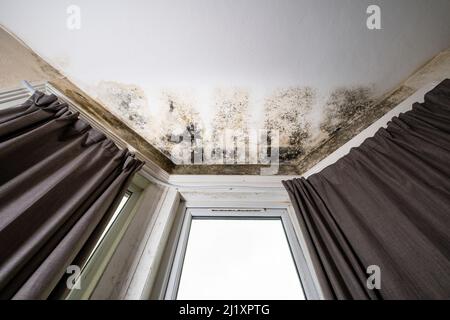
column 301, row 265
column 93, row 268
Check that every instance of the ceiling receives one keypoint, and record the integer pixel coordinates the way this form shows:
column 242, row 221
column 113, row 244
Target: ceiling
column 225, row 70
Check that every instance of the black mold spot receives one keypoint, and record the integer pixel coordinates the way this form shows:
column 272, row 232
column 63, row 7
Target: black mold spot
column 231, row 113
column 344, row 105
column 127, row 108
column 179, row 114
column 296, row 146
column 285, row 111
column 174, row 138
column 231, row 110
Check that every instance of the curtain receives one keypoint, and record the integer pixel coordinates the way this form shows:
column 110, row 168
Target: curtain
column 386, row 203
column 59, row 178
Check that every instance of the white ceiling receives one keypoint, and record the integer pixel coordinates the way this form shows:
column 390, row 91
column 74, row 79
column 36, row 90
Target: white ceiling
column 256, row 56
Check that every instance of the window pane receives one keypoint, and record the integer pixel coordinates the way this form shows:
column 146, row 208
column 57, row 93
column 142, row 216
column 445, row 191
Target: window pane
column 121, row 205
column 238, row 259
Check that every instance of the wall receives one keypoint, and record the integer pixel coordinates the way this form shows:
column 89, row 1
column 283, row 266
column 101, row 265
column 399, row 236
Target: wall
column 17, row 63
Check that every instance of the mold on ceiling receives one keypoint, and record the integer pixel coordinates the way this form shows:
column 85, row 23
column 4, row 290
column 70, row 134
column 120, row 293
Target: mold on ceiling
column 207, row 82
column 292, row 112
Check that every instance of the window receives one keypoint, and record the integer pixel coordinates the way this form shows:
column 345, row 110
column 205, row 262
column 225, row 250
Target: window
column 113, row 219
column 107, row 242
column 238, row 254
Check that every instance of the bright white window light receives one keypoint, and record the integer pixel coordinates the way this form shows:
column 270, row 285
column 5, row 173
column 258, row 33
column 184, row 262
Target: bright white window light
column 238, row 259
column 121, row 205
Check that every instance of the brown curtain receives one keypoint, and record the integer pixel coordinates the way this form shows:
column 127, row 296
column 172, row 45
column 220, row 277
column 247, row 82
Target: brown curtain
column 58, row 178
column 386, row 203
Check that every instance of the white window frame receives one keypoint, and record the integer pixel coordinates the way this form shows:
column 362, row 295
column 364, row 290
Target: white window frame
column 303, row 270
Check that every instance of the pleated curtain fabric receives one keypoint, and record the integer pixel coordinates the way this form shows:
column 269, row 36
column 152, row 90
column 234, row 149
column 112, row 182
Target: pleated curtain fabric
column 58, row 178
column 386, row 203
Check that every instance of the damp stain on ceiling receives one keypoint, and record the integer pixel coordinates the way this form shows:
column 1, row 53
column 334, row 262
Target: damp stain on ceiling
column 302, row 119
